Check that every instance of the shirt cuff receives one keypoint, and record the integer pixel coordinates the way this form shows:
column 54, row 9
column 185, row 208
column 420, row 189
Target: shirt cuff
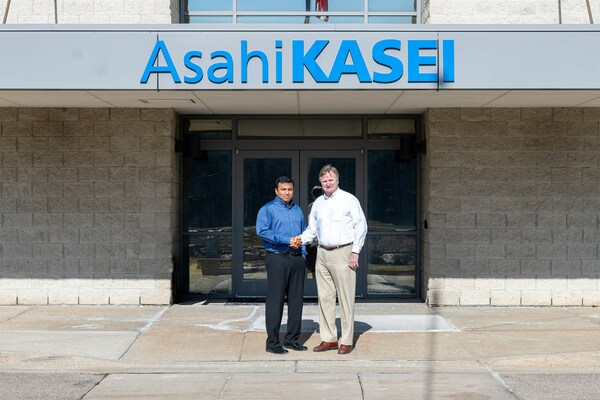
column 356, row 249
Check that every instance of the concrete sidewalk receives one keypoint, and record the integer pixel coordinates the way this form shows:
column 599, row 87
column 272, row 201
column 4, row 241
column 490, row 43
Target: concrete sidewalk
column 217, row 351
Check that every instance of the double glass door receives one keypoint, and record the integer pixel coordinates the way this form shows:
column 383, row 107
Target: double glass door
column 255, row 176
column 223, row 188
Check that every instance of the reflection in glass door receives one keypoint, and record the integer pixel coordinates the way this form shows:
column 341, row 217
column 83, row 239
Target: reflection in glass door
column 392, row 215
column 206, row 228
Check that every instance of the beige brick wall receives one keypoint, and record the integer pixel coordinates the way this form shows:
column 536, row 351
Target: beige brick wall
column 508, row 11
column 512, row 201
column 88, row 205
column 92, row 11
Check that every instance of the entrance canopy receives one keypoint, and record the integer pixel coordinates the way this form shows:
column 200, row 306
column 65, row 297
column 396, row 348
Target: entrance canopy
column 301, row 102
column 299, row 70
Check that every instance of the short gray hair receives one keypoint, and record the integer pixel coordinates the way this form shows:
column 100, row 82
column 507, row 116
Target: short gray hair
column 329, row 168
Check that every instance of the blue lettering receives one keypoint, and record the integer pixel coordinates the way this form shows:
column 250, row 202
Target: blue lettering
column 227, row 66
column 278, row 62
column 151, row 68
column 358, row 66
column 301, row 60
column 246, row 57
column 393, row 63
column 388, row 56
column 416, row 60
column 189, row 63
column 448, row 58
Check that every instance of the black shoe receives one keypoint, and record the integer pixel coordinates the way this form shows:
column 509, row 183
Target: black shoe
column 295, row 346
column 277, row 350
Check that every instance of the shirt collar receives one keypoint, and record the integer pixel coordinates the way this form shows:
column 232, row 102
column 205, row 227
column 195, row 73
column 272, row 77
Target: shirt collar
column 283, row 203
column 332, row 194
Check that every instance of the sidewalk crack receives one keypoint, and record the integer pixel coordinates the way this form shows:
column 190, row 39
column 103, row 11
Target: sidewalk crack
column 93, row 387
column 243, row 346
column 362, row 389
column 149, row 325
column 222, row 392
column 17, row 315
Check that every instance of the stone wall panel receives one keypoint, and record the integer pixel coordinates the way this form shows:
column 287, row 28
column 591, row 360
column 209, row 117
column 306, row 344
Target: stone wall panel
column 526, row 202
column 67, row 209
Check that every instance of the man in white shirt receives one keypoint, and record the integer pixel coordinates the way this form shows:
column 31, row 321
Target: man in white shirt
column 339, row 224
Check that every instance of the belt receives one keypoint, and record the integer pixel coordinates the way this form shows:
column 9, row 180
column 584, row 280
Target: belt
column 339, row 246
column 287, row 253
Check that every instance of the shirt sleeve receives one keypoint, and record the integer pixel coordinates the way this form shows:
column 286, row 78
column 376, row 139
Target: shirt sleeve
column 302, row 228
column 263, row 226
column 310, row 233
column 360, row 226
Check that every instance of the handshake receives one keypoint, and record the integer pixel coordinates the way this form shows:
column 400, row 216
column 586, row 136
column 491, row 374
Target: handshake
column 295, row 242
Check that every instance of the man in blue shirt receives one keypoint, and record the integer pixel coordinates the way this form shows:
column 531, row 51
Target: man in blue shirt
column 277, row 222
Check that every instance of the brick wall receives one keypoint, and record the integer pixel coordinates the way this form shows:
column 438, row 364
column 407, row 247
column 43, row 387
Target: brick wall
column 88, row 206
column 512, row 200
column 92, row 11
column 508, row 11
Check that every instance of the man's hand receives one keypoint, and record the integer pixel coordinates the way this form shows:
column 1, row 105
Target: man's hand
column 353, row 261
column 295, row 242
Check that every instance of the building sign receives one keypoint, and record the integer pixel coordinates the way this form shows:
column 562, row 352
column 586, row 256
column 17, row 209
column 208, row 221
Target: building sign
column 299, row 60
column 386, row 62
column 186, row 57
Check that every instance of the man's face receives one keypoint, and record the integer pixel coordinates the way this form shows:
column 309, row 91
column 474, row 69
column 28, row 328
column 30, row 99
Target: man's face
column 329, row 183
column 285, row 191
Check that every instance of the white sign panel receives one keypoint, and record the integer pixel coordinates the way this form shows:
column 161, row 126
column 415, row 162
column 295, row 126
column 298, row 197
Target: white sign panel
column 186, row 58
column 73, row 59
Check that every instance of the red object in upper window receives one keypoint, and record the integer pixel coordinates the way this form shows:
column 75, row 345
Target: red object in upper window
column 322, row 5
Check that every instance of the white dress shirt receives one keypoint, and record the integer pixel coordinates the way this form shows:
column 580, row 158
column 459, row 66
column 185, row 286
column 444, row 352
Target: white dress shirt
column 336, row 220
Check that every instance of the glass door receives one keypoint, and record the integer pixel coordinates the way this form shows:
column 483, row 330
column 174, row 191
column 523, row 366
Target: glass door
column 256, row 173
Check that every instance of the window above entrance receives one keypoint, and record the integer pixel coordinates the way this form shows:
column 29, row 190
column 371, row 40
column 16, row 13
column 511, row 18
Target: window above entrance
column 210, row 128
column 299, row 127
column 322, row 127
column 390, row 127
column 315, row 12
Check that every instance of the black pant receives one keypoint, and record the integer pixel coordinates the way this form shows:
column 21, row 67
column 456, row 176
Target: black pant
column 285, row 276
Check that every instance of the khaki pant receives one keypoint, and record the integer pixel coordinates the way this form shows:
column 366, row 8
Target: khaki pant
column 334, row 277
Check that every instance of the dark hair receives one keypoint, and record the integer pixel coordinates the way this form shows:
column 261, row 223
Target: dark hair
column 283, row 179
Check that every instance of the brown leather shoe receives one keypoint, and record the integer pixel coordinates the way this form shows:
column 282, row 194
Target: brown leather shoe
column 324, row 346
column 345, row 349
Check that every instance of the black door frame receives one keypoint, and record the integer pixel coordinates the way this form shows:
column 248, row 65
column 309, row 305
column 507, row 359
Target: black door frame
column 241, row 287
column 362, row 144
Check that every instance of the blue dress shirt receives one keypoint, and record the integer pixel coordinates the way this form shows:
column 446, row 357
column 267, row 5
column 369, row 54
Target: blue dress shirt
column 277, row 222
